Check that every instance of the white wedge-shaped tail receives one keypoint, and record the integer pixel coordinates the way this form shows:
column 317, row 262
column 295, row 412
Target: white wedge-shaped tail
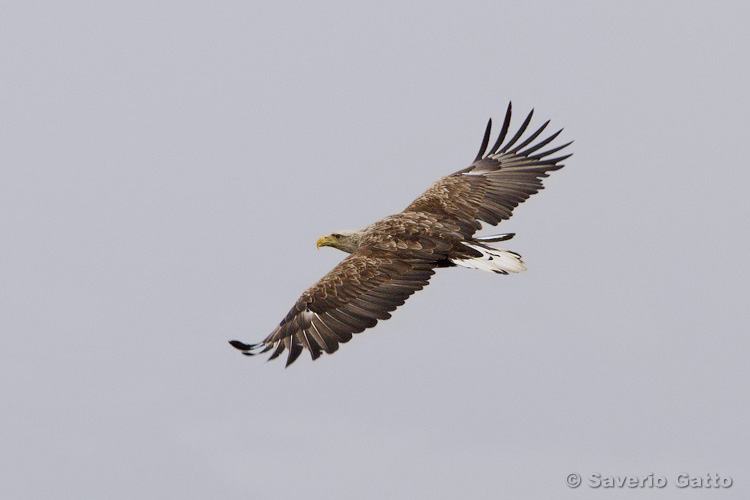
column 494, row 260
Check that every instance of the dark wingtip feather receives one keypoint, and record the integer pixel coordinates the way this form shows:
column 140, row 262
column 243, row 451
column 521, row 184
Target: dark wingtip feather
column 544, row 154
column 242, row 346
column 294, row 351
column 485, row 141
column 559, row 158
column 530, row 139
column 519, row 133
column 540, row 145
column 277, row 351
column 504, row 130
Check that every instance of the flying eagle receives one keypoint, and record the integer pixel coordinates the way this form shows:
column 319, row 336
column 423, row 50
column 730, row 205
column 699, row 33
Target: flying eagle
column 396, row 256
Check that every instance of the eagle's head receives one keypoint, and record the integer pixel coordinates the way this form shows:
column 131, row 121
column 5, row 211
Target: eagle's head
column 347, row 241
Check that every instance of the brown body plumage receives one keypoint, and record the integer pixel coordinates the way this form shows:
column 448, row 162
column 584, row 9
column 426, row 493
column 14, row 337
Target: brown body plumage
column 396, row 256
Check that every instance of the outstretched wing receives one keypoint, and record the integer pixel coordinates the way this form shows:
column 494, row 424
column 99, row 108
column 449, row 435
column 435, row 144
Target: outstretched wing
column 362, row 289
column 497, row 182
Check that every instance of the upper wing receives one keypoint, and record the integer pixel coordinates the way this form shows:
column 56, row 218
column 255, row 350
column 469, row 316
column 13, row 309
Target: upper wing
column 497, row 182
column 362, row 289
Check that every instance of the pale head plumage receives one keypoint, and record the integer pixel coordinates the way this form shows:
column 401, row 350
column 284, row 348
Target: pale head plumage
column 347, row 241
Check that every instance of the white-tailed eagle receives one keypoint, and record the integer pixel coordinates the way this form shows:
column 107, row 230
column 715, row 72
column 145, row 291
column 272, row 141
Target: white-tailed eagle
column 396, row 256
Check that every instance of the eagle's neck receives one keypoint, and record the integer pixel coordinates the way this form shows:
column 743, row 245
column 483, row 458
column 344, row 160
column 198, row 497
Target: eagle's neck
column 348, row 242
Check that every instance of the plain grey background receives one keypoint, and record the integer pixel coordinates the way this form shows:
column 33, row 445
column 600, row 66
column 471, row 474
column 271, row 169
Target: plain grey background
column 167, row 167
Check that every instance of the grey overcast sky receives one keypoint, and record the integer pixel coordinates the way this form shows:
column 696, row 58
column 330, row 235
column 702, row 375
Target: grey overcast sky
column 166, row 168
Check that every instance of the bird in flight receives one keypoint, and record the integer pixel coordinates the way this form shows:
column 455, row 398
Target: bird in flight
column 394, row 257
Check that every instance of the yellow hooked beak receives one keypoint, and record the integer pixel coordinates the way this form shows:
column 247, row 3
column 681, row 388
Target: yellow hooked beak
column 323, row 241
